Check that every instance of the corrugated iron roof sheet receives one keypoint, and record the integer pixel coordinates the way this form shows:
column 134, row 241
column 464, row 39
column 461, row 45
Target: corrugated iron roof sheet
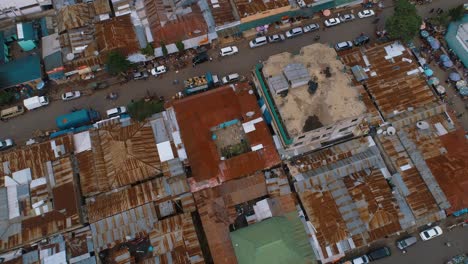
column 216, row 209
column 209, row 109
column 116, row 33
column 391, row 87
column 119, row 156
column 159, row 189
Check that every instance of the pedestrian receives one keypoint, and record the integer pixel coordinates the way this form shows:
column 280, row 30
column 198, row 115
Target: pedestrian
column 432, row 10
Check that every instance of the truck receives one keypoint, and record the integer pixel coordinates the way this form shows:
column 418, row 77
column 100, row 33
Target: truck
column 35, row 102
column 77, row 119
column 200, row 83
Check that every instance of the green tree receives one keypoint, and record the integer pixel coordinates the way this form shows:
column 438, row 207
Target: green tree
column 117, row 63
column 148, row 50
column 180, row 46
column 405, row 22
column 140, row 110
column 6, row 97
column 164, row 49
column 456, row 13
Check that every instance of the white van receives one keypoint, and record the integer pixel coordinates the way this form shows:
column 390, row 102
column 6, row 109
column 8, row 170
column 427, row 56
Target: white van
column 116, row 111
column 257, row 42
column 11, row 112
column 233, row 77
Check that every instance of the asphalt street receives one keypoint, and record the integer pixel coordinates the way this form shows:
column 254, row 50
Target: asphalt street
column 432, row 251
column 22, row 127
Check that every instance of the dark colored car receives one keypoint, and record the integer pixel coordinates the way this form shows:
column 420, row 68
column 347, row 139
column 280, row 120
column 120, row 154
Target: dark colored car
column 200, row 58
column 403, row 243
column 379, row 253
column 361, row 40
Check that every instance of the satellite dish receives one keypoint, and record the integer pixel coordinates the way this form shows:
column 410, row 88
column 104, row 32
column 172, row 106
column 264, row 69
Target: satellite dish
column 251, row 91
column 96, row 53
column 379, row 131
column 391, row 131
column 250, row 114
column 422, row 125
column 70, row 56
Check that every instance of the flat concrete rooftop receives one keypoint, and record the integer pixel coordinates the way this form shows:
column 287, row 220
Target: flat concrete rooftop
column 335, row 99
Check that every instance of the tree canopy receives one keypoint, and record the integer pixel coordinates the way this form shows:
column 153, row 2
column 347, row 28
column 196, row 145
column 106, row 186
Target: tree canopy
column 457, row 13
column 148, row 50
column 117, row 63
column 405, row 22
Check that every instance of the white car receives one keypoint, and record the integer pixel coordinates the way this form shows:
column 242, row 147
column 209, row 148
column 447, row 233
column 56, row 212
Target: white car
column 361, row 260
column 233, row 77
column 276, row 38
column 158, row 70
column 366, row 13
column 227, row 51
column 294, row 32
column 311, row 27
column 257, row 42
column 71, row 95
column 6, row 144
column 431, row 233
column 332, row 22
column 116, row 111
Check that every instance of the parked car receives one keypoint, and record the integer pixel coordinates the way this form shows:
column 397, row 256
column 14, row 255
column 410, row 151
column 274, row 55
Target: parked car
column 361, row 40
column 366, row 13
column 431, row 233
column 343, row 45
column 347, row 17
column 71, row 95
column 257, row 42
column 117, row 111
column 379, row 253
column 406, row 242
column 228, row 51
column 200, row 58
column 139, row 75
column 311, row 27
column 360, row 260
column 233, row 77
column 276, row 38
column 6, row 144
column 332, row 22
column 158, row 70
column 294, row 32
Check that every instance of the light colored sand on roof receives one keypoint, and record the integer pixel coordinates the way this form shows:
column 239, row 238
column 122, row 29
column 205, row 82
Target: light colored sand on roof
column 335, row 99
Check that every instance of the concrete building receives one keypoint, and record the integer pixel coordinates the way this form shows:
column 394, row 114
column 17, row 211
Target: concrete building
column 312, row 102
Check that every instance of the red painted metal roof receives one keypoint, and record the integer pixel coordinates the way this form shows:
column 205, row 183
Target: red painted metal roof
column 197, row 114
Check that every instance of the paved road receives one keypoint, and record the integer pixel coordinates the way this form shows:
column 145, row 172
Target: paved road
column 433, row 251
column 21, row 128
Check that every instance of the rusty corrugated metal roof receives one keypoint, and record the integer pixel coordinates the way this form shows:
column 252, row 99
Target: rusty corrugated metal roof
column 116, row 33
column 392, row 88
column 75, row 16
column 120, row 156
column 204, row 111
column 158, row 189
column 451, row 170
column 217, row 211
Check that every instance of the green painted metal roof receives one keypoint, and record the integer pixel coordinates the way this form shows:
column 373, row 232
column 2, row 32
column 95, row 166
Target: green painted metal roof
column 453, row 42
column 19, row 71
column 277, row 240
